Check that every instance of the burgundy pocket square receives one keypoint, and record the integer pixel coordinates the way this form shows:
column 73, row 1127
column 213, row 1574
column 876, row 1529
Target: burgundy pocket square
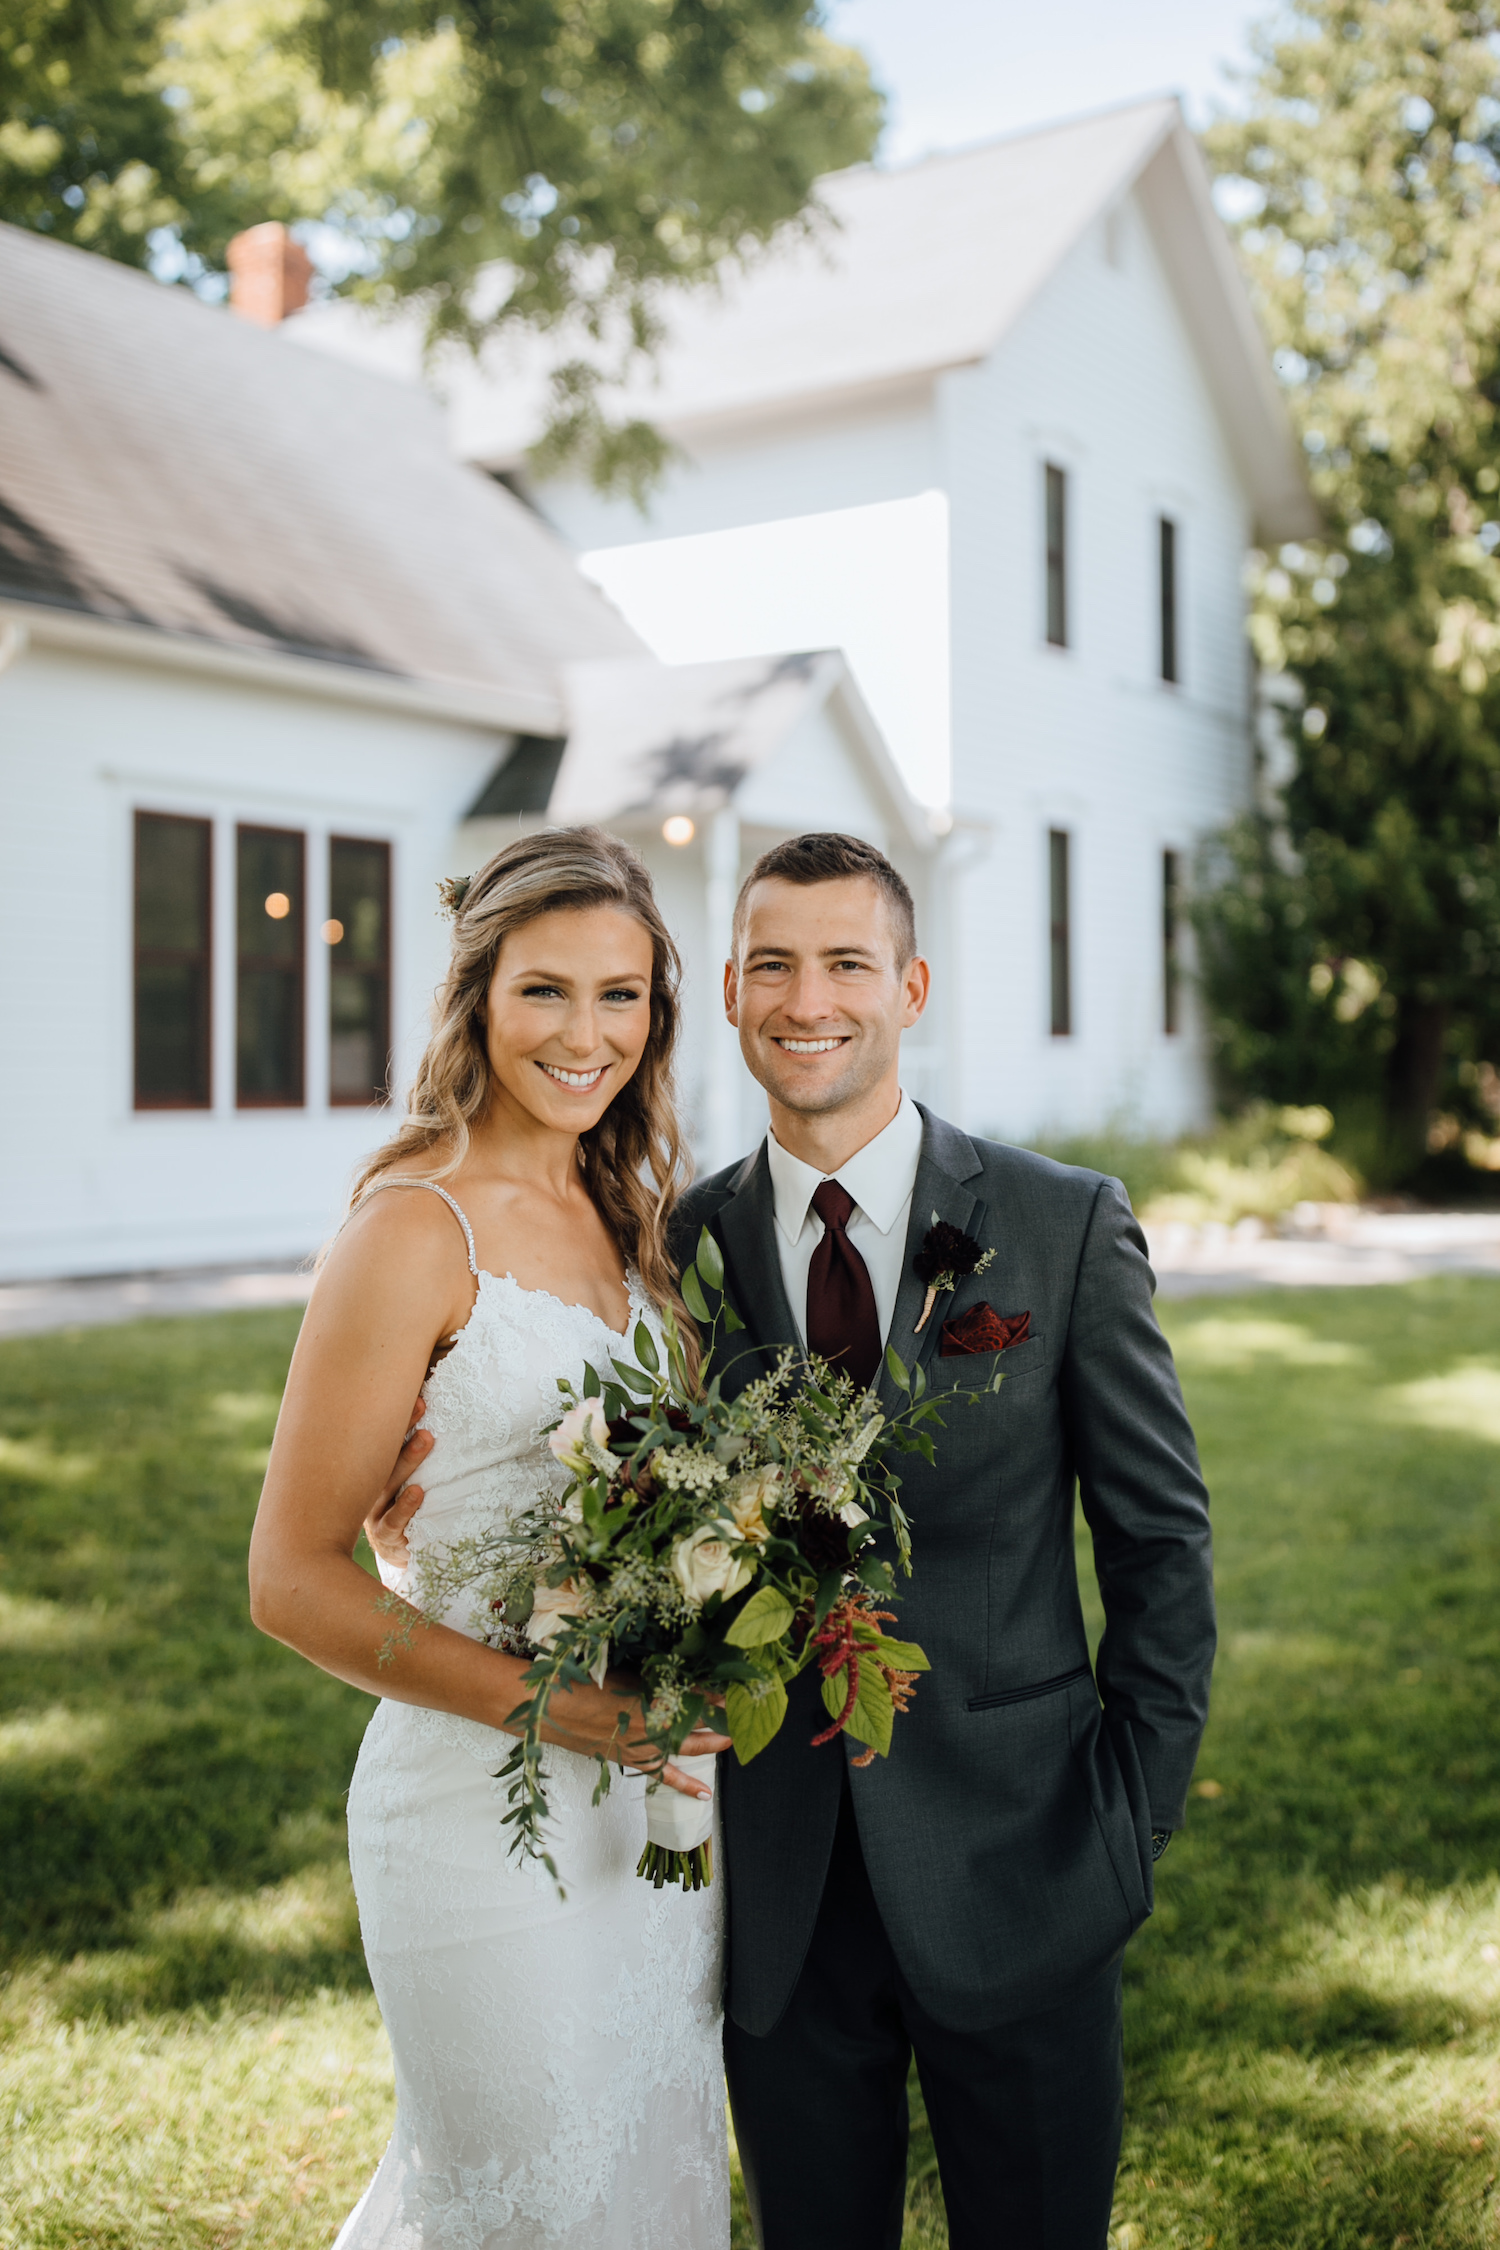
column 982, row 1329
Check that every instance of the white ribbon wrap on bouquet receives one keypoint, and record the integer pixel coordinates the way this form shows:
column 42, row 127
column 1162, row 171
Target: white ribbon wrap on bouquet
column 676, row 1822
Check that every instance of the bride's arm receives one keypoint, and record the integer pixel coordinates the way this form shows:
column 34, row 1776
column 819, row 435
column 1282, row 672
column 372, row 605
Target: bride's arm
column 391, row 1288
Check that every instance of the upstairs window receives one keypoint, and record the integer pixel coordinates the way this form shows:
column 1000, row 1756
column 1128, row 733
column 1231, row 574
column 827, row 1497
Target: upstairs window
column 1167, row 591
column 358, row 935
column 1061, row 934
column 1171, row 971
column 270, row 866
column 173, row 905
column 1057, row 555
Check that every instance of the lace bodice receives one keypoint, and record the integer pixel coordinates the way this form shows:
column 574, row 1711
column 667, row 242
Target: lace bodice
column 489, row 1405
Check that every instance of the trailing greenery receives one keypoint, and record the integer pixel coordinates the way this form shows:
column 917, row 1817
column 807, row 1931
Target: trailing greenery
column 1363, row 172
column 189, row 2055
column 512, row 164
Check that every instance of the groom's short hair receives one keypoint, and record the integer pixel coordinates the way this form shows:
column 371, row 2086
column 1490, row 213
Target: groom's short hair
column 825, row 857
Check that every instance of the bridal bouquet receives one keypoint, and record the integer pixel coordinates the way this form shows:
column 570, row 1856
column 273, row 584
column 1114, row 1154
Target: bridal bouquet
column 716, row 1548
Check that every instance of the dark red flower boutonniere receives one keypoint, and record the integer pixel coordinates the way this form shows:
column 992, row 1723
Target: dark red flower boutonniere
column 947, row 1257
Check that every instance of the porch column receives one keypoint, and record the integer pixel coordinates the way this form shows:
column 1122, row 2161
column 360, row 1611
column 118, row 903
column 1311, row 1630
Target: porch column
column 721, row 854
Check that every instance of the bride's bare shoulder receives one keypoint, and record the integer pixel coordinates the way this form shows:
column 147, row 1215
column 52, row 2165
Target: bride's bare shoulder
column 401, row 1234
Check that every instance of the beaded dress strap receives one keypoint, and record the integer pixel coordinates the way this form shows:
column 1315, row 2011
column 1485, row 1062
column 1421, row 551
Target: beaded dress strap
column 432, row 1189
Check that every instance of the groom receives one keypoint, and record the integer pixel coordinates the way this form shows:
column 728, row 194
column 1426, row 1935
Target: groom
column 968, row 1898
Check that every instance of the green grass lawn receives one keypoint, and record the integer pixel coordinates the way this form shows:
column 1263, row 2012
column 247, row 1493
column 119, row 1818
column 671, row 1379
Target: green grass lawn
column 189, row 2053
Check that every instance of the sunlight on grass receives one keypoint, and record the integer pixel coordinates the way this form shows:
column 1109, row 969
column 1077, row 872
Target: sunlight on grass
column 44, row 1737
column 41, row 1464
column 45, row 1625
column 1466, row 1400
column 1240, row 1343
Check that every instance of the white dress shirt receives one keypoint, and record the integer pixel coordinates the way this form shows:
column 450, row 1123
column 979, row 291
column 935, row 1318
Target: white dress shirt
column 880, row 1177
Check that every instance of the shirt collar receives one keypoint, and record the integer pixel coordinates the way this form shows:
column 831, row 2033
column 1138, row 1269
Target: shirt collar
column 880, row 1176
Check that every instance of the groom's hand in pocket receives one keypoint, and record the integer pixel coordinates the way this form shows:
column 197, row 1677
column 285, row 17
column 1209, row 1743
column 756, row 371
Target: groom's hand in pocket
column 399, row 1499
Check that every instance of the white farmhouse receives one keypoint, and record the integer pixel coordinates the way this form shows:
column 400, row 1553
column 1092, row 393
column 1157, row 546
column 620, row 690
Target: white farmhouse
column 265, row 646
column 1048, row 335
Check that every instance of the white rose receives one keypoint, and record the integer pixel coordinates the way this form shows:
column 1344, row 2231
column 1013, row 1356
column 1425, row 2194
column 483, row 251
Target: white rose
column 751, row 1498
column 581, row 1440
column 705, row 1563
column 551, row 1608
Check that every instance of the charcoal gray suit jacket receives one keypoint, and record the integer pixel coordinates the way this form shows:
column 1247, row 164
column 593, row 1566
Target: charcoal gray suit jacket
column 1008, row 1834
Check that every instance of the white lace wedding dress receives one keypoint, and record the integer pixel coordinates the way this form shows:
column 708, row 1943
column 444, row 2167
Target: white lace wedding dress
column 559, row 2082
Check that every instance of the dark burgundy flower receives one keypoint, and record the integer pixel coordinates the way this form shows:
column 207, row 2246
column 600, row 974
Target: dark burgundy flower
column 947, row 1250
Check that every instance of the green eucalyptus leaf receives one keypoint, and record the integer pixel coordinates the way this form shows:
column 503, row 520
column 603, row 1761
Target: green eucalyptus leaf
column 631, row 1375
column 732, row 1321
column 710, row 1260
column 645, row 1349
column 896, row 1368
column 591, row 1383
column 692, row 1294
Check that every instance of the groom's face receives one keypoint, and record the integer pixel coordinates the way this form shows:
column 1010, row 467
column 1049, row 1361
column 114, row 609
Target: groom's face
column 817, row 993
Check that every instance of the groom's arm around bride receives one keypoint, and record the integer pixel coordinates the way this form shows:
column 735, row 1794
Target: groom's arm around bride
column 969, row 1897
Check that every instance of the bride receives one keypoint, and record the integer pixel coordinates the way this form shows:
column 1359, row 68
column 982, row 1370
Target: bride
column 558, row 2071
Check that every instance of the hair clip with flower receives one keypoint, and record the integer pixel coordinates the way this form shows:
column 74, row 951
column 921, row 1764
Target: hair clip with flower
column 452, row 891
column 947, row 1257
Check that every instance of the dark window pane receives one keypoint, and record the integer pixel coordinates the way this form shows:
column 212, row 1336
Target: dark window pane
column 1171, row 973
column 1057, row 556
column 1168, row 531
column 172, row 939
column 1061, row 933
column 358, row 935
column 269, row 907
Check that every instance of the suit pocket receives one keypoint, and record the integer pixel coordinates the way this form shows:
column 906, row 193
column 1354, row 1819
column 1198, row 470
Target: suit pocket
column 1028, row 1694
column 970, row 1371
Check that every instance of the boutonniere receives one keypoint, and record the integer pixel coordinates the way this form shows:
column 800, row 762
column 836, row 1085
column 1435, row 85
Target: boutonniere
column 947, row 1257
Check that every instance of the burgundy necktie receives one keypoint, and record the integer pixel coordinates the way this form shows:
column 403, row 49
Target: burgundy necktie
column 842, row 1323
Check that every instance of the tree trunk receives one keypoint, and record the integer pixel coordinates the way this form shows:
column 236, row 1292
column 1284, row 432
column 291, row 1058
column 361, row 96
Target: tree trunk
column 1413, row 1076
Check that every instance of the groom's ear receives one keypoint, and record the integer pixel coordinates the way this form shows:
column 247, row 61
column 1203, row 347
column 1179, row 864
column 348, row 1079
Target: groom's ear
column 732, row 991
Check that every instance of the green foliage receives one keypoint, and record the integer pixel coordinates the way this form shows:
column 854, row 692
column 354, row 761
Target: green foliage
column 89, row 152
column 511, row 164
column 1259, row 1164
column 1368, row 154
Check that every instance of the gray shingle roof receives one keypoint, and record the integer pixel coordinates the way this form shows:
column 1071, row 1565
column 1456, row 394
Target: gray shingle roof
column 167, row 465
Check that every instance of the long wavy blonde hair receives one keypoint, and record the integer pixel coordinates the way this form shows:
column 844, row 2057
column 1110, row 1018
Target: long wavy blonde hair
column 633, row 1160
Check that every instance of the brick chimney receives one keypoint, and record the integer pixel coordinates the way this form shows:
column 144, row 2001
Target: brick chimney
column 268, row 274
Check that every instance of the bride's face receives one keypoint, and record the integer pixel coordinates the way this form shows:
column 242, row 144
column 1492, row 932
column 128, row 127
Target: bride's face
column 568, row 1013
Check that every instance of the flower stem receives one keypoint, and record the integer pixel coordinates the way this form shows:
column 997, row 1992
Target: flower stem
column 694, row 1870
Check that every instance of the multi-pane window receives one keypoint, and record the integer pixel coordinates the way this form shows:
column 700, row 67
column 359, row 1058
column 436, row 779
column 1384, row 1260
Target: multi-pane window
column 269, row 915
column 1057, row 555
column 358, row 935
column 1167, row 595
column 173, row 900
column 1171, row 971
column 1060, row 932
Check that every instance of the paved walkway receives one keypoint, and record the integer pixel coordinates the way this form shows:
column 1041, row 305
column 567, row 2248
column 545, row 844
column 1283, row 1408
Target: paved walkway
column 1324, row 1248
column 29, row 1308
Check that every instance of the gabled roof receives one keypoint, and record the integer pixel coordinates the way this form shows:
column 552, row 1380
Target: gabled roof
column 925, row 267
column 173, row 469
column 648, row 739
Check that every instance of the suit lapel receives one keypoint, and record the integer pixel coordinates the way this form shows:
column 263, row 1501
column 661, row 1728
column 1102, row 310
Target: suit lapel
column 948, row 1159
column 746, row 1229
